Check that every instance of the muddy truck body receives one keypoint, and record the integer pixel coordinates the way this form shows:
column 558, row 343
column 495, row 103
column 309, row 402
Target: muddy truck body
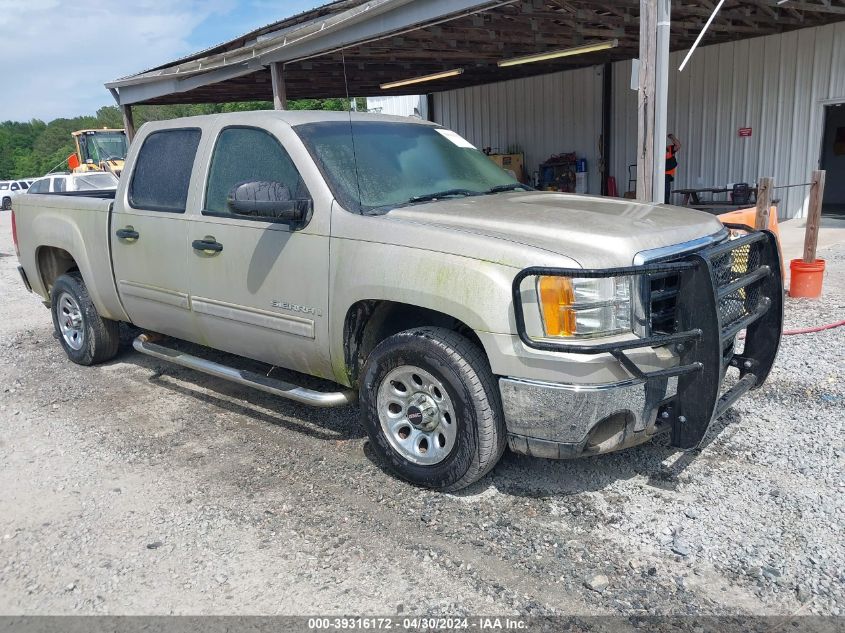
column 463, row 311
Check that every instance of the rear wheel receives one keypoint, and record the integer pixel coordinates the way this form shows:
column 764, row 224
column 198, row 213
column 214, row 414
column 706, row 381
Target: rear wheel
column 431, row 408
column 86, row 337
column 7, row 204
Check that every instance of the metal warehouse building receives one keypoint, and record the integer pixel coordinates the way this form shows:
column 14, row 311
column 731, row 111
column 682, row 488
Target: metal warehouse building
column 784, row 87
column 764, row 95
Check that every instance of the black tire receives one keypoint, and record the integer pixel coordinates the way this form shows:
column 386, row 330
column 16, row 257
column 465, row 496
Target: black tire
column 7, row 204
column 100, row 338
column 463, row 370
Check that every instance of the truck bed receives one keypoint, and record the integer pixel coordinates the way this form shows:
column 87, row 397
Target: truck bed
column 59, row 232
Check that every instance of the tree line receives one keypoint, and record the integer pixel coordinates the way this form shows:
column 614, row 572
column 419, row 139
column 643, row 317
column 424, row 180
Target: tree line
column 35, row 148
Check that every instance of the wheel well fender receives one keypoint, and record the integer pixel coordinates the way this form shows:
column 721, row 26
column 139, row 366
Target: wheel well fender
column 368, row 322
column 53, row 262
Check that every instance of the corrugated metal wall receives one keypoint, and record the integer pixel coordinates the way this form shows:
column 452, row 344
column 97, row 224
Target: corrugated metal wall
column 544, row 115
column 776, row 85
column 399, row 106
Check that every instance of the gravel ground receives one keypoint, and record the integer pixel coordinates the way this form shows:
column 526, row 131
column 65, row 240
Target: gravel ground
column 136, row 487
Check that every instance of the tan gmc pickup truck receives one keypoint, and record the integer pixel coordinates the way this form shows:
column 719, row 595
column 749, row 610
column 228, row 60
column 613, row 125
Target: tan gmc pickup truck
column 462, row 310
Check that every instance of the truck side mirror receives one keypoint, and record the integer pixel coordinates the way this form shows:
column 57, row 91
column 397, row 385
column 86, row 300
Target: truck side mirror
column 267, row 199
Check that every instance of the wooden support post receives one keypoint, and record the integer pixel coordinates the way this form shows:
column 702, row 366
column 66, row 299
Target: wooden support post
column 814, row 216
column 765, row 188
column 646, row 102
column 128, row 122
column 280, row 93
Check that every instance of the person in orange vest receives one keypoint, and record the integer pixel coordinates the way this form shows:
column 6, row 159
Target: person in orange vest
column 672, row 150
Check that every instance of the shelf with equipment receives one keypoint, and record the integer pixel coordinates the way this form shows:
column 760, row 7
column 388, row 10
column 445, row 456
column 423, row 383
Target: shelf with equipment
column 563, row 172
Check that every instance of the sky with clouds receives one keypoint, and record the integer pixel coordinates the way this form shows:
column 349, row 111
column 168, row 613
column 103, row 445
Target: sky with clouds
column 55, row 55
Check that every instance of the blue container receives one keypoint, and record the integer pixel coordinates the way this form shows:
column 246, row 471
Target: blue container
column 581, row 165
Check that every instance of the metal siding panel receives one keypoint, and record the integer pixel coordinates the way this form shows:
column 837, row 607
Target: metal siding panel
column 837, row 63
column 753, row 102
column 543, row 115
column 767, row 123
column 785, row 107
column 800, row 164
column 624, row 113
column 738, row 91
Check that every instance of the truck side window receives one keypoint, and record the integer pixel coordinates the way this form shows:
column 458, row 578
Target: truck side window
column 58, row 184
column 245, row 154
column 162, row 172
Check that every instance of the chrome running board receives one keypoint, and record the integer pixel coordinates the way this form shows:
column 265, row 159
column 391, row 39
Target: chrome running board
column 145, row 345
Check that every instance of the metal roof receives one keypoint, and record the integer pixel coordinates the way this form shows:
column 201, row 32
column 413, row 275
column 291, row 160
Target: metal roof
column 357, row 45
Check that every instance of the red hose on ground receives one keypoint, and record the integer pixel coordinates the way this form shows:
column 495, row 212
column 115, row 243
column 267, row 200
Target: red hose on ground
column 810, row 330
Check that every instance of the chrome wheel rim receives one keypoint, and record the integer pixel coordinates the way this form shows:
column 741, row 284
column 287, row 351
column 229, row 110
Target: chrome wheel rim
column 69, row 316
column 417, row 415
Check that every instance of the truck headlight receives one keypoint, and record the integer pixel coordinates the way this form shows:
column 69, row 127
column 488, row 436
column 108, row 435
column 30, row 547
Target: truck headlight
column 582, row 307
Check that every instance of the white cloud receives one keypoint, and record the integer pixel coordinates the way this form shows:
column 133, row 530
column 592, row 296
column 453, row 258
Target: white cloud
column 56, row 55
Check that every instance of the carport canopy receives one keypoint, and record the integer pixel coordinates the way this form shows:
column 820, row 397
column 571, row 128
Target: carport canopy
column 365, row 48
column 385, row 41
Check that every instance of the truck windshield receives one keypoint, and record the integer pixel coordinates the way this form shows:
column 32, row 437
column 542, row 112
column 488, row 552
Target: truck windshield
column 374, row 166
column 99, row 146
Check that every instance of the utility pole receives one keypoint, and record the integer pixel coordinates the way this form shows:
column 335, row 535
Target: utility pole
column 652, row 100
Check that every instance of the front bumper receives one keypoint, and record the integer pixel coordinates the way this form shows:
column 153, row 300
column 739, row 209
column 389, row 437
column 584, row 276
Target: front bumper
column 564, row 421
column 721, row 290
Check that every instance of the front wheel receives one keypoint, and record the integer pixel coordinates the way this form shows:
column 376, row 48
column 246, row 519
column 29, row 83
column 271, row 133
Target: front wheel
column 86, row 337
column 431, row 407
column 7, row 204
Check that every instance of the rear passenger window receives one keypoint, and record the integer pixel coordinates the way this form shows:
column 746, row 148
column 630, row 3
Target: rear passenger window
column 244, row 154
column 58, row 184
column 162, row 172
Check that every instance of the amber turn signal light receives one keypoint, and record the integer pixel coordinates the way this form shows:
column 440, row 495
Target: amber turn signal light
column 556, row 298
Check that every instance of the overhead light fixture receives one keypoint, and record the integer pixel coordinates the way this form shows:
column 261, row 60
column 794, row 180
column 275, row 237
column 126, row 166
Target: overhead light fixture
column 566, row 52
column 418, row 80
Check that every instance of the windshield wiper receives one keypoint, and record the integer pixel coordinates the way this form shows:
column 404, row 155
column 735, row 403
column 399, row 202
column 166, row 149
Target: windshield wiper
column 511, row 187
column 444, row 194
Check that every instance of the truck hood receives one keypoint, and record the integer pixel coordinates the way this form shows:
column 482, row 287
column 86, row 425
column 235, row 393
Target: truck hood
column 596, row 232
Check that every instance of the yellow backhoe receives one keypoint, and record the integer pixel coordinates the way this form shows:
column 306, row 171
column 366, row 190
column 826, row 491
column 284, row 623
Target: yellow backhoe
column 99, row 150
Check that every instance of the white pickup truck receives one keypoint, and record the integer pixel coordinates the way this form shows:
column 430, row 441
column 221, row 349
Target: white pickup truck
column 462, row 310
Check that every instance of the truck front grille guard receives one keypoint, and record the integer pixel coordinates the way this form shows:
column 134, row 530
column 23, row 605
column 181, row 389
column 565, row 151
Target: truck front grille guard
column 723, row 289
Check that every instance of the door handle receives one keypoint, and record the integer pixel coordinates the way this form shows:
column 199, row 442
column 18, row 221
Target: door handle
column 129, row 234
column 207, row 245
